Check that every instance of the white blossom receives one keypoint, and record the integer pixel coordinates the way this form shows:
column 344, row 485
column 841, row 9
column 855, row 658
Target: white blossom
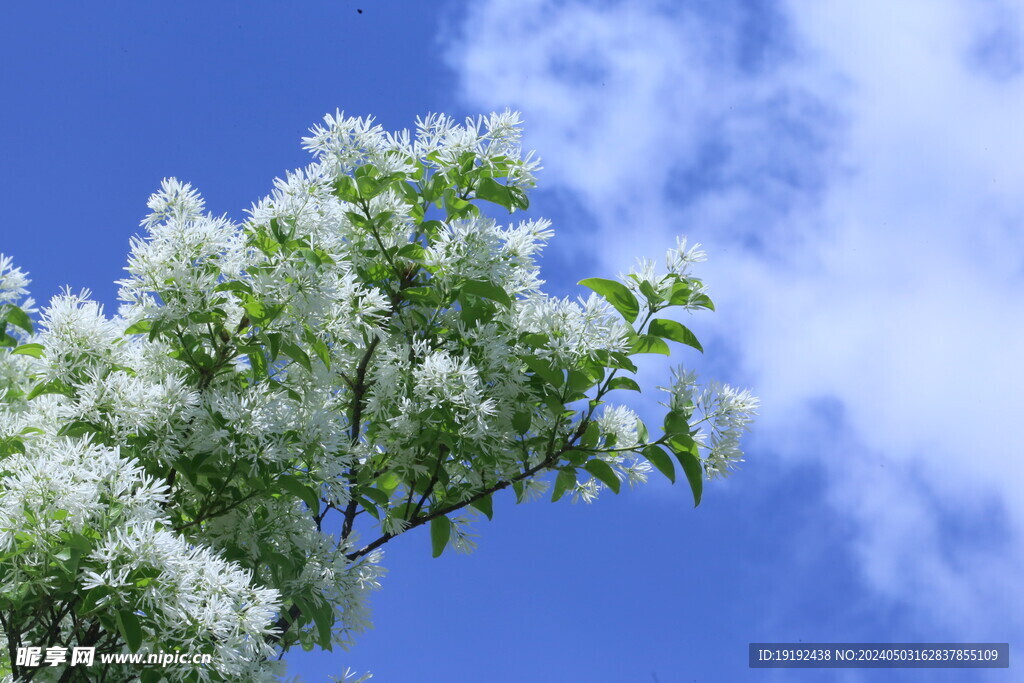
column 574, row 329
column 367, row 349
column 13, row 282
column 720, row 414
column 620, row 422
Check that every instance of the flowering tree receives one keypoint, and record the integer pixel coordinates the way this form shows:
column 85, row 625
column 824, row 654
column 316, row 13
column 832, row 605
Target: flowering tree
column 217, row 467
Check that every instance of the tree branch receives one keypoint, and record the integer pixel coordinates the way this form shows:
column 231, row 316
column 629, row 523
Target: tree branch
column 13, row 642
column 498, row 486
column 441, row 457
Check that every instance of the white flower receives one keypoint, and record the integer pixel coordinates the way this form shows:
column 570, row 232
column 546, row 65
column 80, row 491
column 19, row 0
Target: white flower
column 306, row 358
column 13, row 282
column 78, row 336
column 684, row 384
column 176, row 202
column 453, row 384
column 620, row 422
column 732, row 412
column 720, row 414
column 468, row 249
column 345, row 143
column 587, row 491
column 679, row 259
column 575, row 330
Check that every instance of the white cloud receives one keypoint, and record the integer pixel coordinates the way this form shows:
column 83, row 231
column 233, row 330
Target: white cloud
column 855, row 170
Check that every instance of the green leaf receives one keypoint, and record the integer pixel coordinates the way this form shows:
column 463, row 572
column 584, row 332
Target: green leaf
column 79, row 542
column 431, row 189
column 79, row 428
column 604, row 472
column 543, row 369
column 519, row 198
column 467, row 161
column 323, row 617
column 485, row 505
column 623, row 383
column 491, row 191
column 591, row 435
column 368, row 187
column 281, row 566
column 408, row 191
column 554, row 404
column 366, row 171
column 128, row 626
column 535, row 340
column 143, row 576
column 388, row 482
column 641, row 430
column 412, row 251
column 617, row 294
column 566, row 478
column 683, row 443
column 54, row 386
column 202, row 317
column 403, row 511
column 621, row 361
column 311, row 257
column 150, row 676
column 370, row 506
column 265, row 243
column 580, row 381
column 376, row 495
column 704, row 301
column 297, row 354
column 675, row 423
column 234, row 286
column 647, row 289
column 576, row 458
column 140, row 327
column 274, row 342
column 421, row 294
column 305, row 493
column 440, row 532
column 694, row 473
column 648, row 343
column 20, row 318
column 158, row 327
column 279, row 234
column 255, row 310
column 670, row 329
column 455, row 206
column 356, row 219
column 258, row 363
column 34, row 350
column 521, row 421
column 322, row 352
column 680, row 293
column 11, row 445
column 661, row 460
column 487, row 290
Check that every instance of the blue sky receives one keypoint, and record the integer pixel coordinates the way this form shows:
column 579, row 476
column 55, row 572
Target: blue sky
column 854, row 172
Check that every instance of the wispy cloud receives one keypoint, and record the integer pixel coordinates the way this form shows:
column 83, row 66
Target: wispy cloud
column 855, row 171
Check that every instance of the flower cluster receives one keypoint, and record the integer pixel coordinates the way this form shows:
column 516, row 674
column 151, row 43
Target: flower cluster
column 13, row 282
column 719, row 414
column 217, row 466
